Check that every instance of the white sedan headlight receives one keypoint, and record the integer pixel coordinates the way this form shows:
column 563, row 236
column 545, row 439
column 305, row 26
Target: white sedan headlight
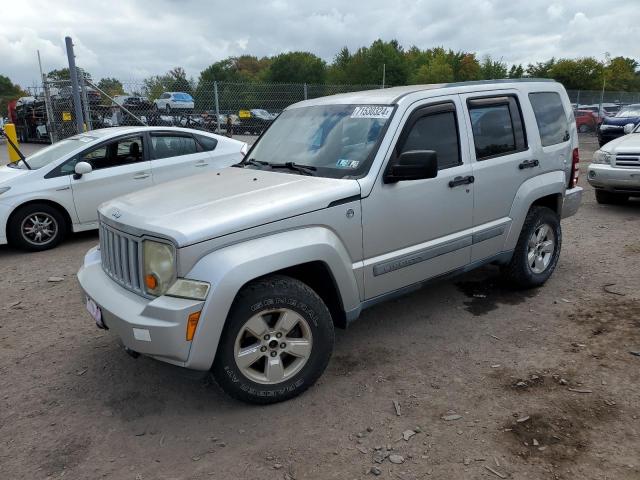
column 601, row 156
column 159, row 266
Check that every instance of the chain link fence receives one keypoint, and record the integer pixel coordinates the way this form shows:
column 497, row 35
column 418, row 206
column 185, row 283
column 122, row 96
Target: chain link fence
column 228, row 108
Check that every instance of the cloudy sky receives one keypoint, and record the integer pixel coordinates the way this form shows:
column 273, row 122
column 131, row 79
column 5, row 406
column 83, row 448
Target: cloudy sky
column 135, row 38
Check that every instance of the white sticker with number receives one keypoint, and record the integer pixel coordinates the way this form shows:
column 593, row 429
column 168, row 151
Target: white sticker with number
column 372, row 111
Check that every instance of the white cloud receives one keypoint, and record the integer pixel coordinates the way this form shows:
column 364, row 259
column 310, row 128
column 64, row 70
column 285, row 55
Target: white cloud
column 138, row 38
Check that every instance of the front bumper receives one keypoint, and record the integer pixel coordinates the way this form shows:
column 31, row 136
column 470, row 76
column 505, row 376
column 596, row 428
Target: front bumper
column 614, row 179
column 156, row 328
column 571, row 201
column 5, row 211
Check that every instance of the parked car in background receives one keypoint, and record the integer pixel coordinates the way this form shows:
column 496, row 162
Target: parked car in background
column 586, row 120
column 59, row 188
column 613, row 127
column 615, row 170
column 246, row 272
column 134, row 103
column 65, row 95
column 169, row 101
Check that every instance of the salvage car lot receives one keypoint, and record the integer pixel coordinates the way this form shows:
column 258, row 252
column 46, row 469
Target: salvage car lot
column 536, row 384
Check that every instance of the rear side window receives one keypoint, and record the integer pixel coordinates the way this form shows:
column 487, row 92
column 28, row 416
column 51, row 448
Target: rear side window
column 165, row 146
column 497, row 126
column 550, row 117
column 206, row 144
column 438, row 132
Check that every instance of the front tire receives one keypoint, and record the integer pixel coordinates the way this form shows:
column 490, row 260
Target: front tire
column 36, row 227
column 277, row 341
column 537, row 251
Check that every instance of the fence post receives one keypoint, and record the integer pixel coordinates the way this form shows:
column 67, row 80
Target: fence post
column 306, row 95
column 578, row 100
column 85, row 105
column 215, row 94
column 53, row 136
column 77, row 107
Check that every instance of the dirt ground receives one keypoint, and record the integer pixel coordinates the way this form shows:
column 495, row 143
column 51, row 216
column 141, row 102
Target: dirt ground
column 496, row 383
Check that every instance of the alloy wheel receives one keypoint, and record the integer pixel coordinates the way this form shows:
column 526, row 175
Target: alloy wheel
column 542, row 244
column 39, row 228
column 273, row 345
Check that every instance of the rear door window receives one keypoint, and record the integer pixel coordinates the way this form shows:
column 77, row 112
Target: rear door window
column 497, row 126
column 165, row 146
column 550, row 117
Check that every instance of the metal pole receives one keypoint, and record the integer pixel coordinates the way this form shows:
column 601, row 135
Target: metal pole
column 384, row 73
column 578, row 100
column 306, row 95
column 215, row 93
column 85, row 104
column 77, row 107
column 47, row 101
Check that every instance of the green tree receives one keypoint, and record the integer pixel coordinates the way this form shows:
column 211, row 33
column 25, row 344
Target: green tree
column 621, row 73
column 8, row 91
column 492, row 69
column 469, row 68
column 582, row 73
column 540, row 69
column 438, row 70
column 64, row 74
column 111, row 86
column 297, row 67
column 516, row 71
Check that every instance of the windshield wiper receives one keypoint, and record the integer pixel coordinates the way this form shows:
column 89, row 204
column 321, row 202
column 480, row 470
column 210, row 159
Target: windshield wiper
column 303, row 169
column 251, row 161
column 15, row 149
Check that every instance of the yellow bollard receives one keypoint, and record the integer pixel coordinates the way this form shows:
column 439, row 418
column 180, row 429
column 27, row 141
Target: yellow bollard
column 10, row 132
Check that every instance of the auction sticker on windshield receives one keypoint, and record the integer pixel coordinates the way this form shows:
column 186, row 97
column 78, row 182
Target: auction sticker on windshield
column 372, row 111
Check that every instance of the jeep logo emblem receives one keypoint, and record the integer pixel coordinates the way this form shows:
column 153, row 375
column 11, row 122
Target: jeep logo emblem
column 116, row 213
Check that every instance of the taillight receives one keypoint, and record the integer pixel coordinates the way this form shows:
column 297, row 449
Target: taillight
column 575, row 168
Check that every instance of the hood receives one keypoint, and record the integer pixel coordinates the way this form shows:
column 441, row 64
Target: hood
column 204, row 207
column 620, row 121
column 626, row 144
column 9, row 173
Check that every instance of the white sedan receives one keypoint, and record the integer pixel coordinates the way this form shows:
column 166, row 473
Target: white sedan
column 59, row 188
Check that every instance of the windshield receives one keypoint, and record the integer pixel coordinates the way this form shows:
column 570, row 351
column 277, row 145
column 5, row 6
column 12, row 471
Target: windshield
column 338, row 140
column 630, row 111
column 54, row 152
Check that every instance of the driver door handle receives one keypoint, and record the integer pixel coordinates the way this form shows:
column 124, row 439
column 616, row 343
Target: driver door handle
column 528, row 164
column 141, row 175
column 461, row 181
column 201, row 163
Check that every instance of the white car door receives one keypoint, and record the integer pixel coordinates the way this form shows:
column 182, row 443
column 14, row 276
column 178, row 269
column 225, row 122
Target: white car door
column 176, row 155
column 120, row 166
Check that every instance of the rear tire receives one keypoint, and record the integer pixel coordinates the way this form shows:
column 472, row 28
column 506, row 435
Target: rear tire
column 584, row 128
column 537, row 251
column 277, row 341
column 36, row 227
column 610, row 198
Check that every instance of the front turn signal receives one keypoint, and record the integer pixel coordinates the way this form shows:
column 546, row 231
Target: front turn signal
column 192, row 324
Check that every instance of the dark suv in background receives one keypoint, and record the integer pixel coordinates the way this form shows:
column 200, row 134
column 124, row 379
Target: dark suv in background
column 613, row 127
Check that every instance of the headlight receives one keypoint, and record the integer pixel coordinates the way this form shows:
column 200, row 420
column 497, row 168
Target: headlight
column 4, row 190
column 601, row 157
column 191, row 289
column 159, row 266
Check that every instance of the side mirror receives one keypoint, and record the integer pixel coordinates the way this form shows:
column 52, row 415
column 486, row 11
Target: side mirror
column 628, row 128
column 82, row 168
column 412, row 165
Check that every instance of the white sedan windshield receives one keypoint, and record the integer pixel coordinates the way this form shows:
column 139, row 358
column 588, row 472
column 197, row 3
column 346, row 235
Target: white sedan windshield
column 49, row 154
column 337, row 140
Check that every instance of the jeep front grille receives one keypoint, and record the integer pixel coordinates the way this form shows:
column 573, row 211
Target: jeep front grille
column 121, row 257
column 628, row 160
